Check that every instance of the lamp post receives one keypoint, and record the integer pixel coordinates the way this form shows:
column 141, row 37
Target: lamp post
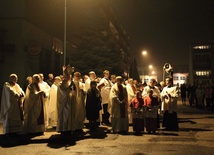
column 65, row 31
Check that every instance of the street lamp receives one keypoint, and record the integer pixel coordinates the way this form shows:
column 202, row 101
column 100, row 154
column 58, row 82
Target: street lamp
column 65, row 22
column 144, row 52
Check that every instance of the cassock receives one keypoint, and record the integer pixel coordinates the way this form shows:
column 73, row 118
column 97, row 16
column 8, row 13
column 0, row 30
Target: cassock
column 137, row 114
column 151, row 111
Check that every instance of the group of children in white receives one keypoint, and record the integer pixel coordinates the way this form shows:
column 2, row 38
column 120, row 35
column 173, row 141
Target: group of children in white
column 68, row 102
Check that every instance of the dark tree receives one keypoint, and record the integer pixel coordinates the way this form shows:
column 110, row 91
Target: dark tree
column 97, row 49
column 133, row 72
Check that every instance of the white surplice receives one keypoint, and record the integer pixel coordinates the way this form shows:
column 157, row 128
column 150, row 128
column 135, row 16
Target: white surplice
column 11, row 114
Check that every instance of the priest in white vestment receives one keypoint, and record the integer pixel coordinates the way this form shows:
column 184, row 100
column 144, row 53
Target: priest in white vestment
column 11, row 106
column 46, row 88
column 118, row 107
column 170, row 97
column 65, row 103
column 79, row 100
column 131, row 90
column 34, row 117
column 52, row 102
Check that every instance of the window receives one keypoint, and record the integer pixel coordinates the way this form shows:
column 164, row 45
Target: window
column 201, row 47
column 182, row 78
column 203, row 73
column 175, row 77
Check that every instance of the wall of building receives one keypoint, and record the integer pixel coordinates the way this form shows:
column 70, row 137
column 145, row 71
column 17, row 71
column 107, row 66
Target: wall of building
column 12, row 8
column 17, row 58
column 180, row 78
column 201, row 64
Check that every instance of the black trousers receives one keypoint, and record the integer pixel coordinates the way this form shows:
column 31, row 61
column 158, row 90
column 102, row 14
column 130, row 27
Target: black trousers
column 105, row 115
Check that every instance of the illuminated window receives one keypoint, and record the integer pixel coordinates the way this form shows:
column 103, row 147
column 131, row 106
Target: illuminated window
column 175, row 77
column 182, row 78
column 202, row 47
column 203, row 73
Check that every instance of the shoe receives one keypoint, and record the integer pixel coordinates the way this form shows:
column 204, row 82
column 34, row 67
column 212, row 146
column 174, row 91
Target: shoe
column 37, row 134
column 104, row 124
column 65, row 133
column 79, row 131
column 108, row 124
column 124, row 132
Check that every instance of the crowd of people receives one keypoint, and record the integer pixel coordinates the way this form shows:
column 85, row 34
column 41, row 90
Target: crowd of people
column 200, row 95
column 64, row 102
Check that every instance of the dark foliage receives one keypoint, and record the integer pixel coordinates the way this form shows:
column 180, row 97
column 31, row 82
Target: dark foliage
column 97, row 49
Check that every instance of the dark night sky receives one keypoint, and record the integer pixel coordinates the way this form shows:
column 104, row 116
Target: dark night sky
column 165, row 28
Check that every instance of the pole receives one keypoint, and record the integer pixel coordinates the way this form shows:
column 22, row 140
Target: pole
column 65, row 23
column 171, row 74
column 163, row 74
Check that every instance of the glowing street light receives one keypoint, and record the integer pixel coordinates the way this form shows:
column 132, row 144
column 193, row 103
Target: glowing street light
column 144, row 52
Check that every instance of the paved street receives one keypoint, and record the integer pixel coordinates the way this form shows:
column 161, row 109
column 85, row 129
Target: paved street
column 195, row 137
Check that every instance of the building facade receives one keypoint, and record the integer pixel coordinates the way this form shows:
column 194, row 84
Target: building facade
column 180, row 78
column 25, row 49
column 201, row 62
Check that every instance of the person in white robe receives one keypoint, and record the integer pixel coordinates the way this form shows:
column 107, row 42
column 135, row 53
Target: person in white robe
column 155, row 97
column 118, row 107
column 151, row 86
column 105, row 86
column 79, row 101
column 65, row 108
column 34, row 120
column 46, row 88
column 92, row 77
column 65, row 103
column 52, row 104
column 170, row 97
column 131, row 90
column 11, row 106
